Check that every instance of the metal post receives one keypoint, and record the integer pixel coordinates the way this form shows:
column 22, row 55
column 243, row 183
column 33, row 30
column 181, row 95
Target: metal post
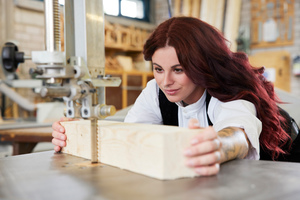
column 52, row 25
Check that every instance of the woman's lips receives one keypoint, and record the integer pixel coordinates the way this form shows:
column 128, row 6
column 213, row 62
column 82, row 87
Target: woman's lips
column 171, row 92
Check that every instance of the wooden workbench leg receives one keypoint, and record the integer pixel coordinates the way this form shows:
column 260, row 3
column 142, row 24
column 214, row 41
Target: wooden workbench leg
column 23, row 147
column 124, row 90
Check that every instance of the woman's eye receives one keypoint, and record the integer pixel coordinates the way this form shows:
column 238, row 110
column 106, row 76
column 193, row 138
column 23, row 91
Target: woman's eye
column 158, row 69
column 178, row 70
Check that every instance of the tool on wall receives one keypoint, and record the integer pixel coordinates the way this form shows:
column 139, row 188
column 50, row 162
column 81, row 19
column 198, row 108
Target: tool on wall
column 78, row 74
column 270, row 31
column 272, row 23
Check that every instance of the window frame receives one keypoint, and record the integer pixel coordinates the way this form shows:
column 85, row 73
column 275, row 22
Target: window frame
column 146, row 11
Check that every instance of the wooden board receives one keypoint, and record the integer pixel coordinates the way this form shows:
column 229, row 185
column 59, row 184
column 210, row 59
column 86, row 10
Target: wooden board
column 212, row 12
column 177, row 8
column 151, row 150
column 196, row 5
column 186, row 7
column 78, row 138
column 232, row 22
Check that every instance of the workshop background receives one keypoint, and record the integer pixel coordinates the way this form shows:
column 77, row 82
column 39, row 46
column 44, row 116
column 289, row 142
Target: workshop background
column 267, row 30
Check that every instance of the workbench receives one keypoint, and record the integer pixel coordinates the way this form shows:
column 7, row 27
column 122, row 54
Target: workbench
column 49, row 175
column 25, row 139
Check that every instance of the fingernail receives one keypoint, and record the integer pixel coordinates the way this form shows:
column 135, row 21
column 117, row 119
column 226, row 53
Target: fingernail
column 217, row 165
column 187, row 152
column 217, row 143
column 198, row 170
column 62, row 137
column 61, row 130
column 190, row 163
column 194, row 141
column 197, row 124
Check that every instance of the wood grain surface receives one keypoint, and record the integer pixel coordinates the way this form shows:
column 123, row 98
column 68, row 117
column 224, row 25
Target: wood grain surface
column 152, row 150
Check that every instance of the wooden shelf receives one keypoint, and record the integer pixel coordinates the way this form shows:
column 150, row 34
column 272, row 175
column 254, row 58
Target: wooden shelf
column 123, row 48
column 126, row 87
column 123, row 52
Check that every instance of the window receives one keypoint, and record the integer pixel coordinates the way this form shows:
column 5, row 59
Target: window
column 135, row 9
column 111, row 7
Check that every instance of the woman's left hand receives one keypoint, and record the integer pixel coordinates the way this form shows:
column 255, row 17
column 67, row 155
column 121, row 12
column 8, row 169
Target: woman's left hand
column 204, row 153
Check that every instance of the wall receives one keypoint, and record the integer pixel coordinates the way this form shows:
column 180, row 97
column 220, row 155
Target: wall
column 22, row 22
column 292, row 49
column 28, row 30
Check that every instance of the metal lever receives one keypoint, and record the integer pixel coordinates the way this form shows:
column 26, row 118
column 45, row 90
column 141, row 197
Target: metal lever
column 11, row 57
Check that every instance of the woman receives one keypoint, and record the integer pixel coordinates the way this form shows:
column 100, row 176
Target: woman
column 191, row 60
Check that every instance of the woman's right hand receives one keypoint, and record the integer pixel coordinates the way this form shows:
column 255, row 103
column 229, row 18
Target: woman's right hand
column 58, row 134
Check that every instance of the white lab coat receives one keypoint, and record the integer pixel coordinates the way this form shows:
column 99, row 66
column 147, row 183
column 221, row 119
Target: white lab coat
column 238, row 113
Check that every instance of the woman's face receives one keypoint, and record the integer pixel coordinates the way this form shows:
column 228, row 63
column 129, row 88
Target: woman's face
column 171, row 78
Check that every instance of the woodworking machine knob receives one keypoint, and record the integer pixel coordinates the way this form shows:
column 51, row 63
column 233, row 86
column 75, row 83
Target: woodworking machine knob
column 105, row 111
column 11, row 57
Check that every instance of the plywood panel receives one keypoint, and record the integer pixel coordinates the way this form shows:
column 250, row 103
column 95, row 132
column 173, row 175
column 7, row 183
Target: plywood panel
column 277, row 65
column 212, row 12
column 196, row 4
column 232, row 21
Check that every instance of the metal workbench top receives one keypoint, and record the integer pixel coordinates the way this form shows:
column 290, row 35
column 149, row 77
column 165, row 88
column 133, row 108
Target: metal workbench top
column 49, row 175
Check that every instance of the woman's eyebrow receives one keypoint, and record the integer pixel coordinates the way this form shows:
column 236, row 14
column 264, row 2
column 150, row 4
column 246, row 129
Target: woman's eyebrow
column 171, row 66
column 157, row 64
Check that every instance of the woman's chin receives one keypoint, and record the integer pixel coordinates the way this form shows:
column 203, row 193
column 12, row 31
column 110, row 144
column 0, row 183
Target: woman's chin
column 173, row 99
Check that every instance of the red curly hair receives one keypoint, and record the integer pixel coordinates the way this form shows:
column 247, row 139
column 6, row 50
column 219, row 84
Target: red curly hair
column 207, row 60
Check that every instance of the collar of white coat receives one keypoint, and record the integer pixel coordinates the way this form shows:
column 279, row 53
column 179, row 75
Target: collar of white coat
column 195, row 106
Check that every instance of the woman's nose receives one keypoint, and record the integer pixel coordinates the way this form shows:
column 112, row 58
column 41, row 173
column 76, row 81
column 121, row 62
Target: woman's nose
column 168, row 80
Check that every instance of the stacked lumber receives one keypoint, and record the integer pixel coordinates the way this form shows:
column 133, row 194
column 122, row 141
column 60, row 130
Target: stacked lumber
column 151, row 150
column 111, row 63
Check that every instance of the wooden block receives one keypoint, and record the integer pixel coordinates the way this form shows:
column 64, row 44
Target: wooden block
column 151, row 150
column 125, row 62
column 78, row 138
